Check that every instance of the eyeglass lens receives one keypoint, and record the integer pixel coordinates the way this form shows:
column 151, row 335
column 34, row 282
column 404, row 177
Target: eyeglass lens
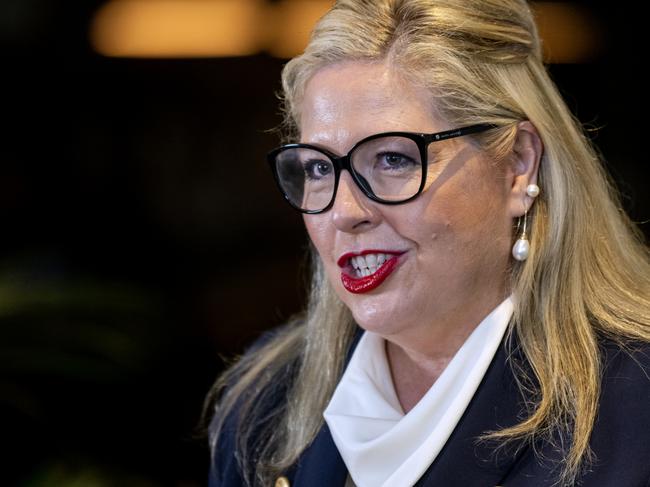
column 390, row 168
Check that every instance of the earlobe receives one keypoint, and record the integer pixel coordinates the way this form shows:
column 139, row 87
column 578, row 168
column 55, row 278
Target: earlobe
column 526, row 156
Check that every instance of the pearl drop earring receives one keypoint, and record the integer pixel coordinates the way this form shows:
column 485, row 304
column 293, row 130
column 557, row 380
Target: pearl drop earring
column 521, row 248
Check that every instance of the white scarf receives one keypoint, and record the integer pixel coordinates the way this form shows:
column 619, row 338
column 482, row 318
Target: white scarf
column 382, row 446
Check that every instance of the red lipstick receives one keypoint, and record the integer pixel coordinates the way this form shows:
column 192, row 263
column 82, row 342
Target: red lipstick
column 359, row 285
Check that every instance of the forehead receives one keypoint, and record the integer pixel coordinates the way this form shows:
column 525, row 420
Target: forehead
column 346, row 102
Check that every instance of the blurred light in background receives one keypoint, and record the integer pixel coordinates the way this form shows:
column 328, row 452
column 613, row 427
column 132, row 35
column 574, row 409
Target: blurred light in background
column 293, row 21
column 569, row 32
column 178, row 28
column 217, row 28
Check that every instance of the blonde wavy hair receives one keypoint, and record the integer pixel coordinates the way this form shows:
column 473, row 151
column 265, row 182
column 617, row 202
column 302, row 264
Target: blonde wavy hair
column 587, row 276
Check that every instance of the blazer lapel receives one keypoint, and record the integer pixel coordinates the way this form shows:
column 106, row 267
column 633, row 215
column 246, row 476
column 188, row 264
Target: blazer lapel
column 497, row 404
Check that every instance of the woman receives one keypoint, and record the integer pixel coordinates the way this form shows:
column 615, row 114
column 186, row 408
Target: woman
column 479, row 305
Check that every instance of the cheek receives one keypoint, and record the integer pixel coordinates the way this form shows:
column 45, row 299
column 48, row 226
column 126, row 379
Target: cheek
column 319, row 234
column 468, row 214
column 481, row 227
column 314, row 230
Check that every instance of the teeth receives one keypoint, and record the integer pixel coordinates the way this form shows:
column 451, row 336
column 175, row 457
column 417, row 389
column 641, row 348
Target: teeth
column 365, row 265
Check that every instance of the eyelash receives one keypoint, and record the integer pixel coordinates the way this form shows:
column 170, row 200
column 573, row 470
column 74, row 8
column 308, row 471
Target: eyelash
column 405, row 159
column 311, row 164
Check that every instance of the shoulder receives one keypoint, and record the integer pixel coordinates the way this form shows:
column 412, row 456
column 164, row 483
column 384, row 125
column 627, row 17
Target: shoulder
column 255, row 402
column 622, row 429
column 625, row 390
column 625, row 384
column 621, row 432
column 625, row 367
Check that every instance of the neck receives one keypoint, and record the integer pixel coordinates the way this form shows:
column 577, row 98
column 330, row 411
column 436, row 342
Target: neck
column 417, row 358
column 413, row 377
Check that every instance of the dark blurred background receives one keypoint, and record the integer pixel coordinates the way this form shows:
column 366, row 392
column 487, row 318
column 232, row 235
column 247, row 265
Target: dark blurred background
column 143, row 242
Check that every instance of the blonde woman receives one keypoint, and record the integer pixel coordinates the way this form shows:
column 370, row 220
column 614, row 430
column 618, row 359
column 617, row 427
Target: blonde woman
column 479, row 305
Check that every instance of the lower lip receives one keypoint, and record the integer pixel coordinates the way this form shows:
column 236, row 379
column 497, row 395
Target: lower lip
column 368, row 283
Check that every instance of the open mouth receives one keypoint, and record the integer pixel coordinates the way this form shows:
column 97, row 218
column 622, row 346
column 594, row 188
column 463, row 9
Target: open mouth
column 363, row 272
column 365, row 265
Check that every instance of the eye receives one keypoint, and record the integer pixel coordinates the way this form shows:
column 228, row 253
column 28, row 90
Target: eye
column 317, row 168
column 395, row 161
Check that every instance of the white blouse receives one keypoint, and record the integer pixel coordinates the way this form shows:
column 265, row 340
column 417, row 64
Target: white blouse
column 382, row 446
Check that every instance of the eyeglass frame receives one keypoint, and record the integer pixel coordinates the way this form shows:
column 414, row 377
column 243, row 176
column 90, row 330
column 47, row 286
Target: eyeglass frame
column 344, row 162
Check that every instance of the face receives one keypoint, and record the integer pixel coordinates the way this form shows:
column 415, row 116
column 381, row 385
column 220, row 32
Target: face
column 431, row 262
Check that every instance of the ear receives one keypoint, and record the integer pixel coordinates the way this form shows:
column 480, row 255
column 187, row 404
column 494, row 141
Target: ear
column 526, row 155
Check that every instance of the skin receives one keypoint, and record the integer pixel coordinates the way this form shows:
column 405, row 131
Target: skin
column 456, row 236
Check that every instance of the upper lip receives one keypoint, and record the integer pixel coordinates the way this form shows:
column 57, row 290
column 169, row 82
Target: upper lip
column 345, row 258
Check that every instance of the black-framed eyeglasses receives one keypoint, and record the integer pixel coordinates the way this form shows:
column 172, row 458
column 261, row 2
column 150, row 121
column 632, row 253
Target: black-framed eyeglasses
column 390, row 168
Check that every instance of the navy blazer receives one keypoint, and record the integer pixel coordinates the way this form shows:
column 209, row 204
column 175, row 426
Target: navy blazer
column 620, row 439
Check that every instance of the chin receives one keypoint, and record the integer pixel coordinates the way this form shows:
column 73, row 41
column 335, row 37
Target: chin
column 375, row 314
column 382, row 311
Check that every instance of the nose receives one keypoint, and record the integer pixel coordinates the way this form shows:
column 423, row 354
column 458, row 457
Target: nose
column 352, row 211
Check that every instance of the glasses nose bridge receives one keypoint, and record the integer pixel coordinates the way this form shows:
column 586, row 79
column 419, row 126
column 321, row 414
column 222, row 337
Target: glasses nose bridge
column 345, row 162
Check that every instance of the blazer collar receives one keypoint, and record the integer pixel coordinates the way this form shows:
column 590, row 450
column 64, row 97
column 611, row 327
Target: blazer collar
column 464, row 460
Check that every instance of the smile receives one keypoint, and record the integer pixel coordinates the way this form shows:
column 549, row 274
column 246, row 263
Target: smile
column 365, row 271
